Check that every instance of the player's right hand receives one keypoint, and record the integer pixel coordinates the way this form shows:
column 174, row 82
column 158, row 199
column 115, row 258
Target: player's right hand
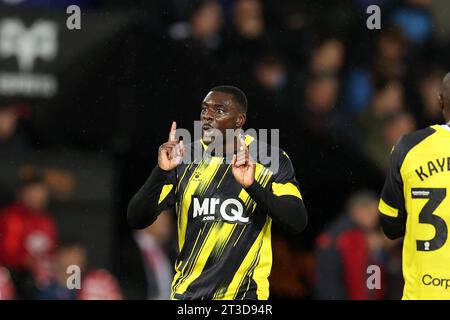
column 171, row 153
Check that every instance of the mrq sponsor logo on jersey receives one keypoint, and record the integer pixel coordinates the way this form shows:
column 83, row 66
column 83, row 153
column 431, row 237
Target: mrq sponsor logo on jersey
column 212, row 209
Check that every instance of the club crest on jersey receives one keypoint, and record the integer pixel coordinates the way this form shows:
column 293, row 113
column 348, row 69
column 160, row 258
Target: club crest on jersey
column 230, row 210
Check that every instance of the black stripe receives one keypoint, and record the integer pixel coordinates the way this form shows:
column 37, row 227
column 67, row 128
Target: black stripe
column 250, row 294
column 187, row 177
column 212, row 188
column 243, row 288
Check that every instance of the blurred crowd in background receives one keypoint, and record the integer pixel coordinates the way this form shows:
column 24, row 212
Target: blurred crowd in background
column 340, row 94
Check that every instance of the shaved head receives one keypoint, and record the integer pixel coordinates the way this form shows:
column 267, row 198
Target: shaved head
column 444, row 97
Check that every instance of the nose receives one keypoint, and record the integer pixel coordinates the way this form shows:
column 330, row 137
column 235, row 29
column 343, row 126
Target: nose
column 207, row 116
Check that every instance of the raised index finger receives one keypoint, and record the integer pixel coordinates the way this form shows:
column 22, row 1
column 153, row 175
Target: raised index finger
column 173, row 131
column 243, row 146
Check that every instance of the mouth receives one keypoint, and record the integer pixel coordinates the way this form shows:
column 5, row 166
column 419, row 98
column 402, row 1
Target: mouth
column 208, row 133
column 207, row 127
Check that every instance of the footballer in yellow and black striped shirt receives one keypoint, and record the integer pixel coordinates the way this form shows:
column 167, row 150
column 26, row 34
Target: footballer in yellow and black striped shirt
column 224, row 204
column 415, row 204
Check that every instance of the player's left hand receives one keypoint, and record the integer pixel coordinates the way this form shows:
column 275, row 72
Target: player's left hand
column 242, row 166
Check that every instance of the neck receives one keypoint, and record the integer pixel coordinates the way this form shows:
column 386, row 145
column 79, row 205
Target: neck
column 228, row 145
column 446, row 126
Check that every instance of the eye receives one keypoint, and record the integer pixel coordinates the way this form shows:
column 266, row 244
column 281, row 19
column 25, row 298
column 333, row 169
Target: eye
column 203, row 110
column 220, row 111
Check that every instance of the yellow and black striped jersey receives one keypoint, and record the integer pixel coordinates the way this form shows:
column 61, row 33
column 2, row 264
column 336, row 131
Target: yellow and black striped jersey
column 415, row 203
column 224, row 235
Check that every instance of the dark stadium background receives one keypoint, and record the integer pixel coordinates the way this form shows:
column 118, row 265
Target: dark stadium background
column 340, row 94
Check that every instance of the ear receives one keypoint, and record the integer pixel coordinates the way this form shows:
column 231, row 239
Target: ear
column 443, row 107
column 240, row 120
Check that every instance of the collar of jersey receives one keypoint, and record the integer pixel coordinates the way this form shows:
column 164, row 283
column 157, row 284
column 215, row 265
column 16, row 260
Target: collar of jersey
column 247, row 138
column 443, row 128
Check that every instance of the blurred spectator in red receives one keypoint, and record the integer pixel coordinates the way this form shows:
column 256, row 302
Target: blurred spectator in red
column 347, row 248
column 393, row 269
column 28, row 237
column 7, row 291
column 100, row 285
column 158, row 269
column 68, row 254
column 11, row 138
